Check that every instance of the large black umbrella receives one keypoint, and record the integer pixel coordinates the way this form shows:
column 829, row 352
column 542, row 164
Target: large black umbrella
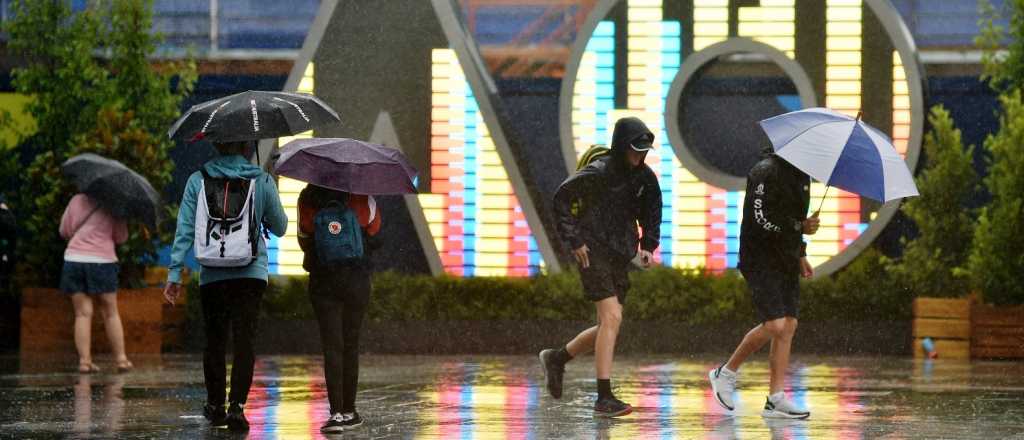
column 122, row 192
column 346, row 165
column 252, row 115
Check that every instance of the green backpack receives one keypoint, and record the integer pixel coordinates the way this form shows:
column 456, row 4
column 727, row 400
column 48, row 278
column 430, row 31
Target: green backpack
column 593, row 153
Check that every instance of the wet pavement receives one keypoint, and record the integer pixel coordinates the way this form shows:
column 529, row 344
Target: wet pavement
column 503, row 397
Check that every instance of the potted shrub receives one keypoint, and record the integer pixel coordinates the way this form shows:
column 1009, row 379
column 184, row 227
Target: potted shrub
column 997, row 257
column 996, row 260
column 931, row 264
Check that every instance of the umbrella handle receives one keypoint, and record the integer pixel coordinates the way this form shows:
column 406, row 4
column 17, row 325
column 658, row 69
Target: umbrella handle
column 820, row 205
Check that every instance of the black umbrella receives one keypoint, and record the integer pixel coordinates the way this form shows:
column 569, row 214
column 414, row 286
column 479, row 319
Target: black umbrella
column 252, row 115
column 114, row 187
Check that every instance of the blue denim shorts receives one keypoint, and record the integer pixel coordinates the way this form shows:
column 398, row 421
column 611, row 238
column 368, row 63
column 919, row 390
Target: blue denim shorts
column 89, row 278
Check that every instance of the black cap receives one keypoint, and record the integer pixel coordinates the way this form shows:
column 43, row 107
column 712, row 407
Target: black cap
column 631, row 132
column 642, row 143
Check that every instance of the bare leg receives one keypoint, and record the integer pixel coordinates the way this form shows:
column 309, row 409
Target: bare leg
column 609, row 313
column 83, row 330
column 115, row 331
column 752, row 342
column 583, row 343
column 779, row 363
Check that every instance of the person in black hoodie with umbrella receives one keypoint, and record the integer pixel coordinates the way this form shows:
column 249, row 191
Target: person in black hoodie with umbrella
column 613, row 194
column 773, row 257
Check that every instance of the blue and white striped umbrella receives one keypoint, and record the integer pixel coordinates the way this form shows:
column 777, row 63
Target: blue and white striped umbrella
column 841, row 151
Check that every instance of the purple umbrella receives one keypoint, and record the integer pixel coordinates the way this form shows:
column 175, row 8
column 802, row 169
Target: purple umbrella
column 346, row 165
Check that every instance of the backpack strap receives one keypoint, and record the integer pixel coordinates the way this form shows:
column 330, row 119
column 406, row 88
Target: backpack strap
column 82, row 223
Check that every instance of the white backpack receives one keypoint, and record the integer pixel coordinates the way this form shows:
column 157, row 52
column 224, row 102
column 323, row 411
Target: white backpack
column 227, row 233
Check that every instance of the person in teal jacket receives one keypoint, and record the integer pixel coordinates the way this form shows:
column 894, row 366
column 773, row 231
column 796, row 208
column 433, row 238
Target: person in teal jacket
column 230, row 296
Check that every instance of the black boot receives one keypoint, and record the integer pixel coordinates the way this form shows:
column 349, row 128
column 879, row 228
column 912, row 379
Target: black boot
column 215, row 414
column 236, row 418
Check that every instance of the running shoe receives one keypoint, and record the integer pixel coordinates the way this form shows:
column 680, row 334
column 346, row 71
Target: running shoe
column 335, row 424
column 352, row 420
column 723, row 385
column 553, row 372
column 611, row 407
column 783, row 409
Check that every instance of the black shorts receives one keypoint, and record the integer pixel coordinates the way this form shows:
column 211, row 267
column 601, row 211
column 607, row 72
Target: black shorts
column 89, row 278
column 775, row 295
column 607, row 276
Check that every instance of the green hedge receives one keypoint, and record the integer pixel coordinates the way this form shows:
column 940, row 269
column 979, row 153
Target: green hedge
column 863, row 291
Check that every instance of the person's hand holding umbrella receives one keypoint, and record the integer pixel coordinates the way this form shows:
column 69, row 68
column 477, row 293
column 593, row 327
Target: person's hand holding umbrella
column 811, row 224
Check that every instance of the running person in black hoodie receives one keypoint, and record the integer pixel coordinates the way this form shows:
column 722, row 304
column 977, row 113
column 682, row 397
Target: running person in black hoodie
column 613, row 193
column 773, row 257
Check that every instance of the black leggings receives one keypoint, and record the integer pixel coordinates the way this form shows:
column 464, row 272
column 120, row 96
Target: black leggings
column 235, row 304
column 340, row 296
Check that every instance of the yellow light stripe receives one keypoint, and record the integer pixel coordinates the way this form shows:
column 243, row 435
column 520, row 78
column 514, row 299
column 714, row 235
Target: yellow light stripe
column 429, row 426
column 900, row 106
column 710, row 22
column 289, row 262
column 586, row 103
column 772, row 23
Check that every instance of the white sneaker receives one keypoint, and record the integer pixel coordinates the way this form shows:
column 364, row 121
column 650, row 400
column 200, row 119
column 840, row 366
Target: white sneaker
column 779, row 407
column 723, row 385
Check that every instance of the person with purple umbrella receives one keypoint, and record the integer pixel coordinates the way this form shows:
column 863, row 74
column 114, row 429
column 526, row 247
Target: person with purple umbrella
column 338, row 220
column 335, row 228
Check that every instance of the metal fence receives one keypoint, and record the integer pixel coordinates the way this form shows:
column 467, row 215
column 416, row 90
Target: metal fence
column 268, row 26
column 212, row 26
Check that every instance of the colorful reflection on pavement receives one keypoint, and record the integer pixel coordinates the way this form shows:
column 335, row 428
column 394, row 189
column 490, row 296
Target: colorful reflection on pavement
column 481, row 397
column 504, row 399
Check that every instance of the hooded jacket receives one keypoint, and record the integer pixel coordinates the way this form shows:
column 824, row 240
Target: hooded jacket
column 774, row 208
column 616, row 197
column 267, row 206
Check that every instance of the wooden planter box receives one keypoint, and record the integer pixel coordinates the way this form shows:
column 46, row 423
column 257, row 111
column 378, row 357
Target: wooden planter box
column 998, row 332
column 947, row 322
column 47, row 319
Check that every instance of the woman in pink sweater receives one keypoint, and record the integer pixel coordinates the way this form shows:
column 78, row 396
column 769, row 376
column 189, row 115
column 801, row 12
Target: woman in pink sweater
column 91, row 270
